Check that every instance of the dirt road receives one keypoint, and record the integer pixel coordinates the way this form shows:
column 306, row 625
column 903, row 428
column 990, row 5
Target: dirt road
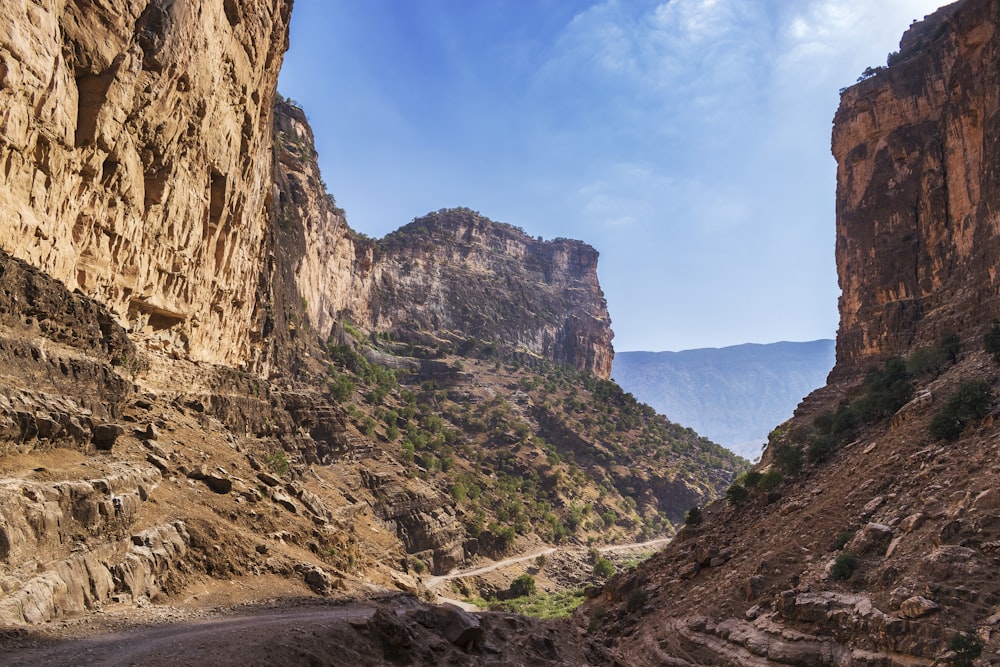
column 187, row 643
column 433, row 582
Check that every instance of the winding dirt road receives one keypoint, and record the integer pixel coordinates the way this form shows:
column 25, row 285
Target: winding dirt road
column 433, row 582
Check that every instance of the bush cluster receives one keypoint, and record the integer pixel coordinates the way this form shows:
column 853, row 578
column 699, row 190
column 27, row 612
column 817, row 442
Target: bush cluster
column 844, row 566
column 752, row 482
column 970, row 401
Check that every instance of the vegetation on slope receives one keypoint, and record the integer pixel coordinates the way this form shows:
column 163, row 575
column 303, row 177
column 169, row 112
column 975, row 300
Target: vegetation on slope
column 525, row 447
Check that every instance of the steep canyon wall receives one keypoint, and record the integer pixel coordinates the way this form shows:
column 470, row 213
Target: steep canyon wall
column 141, row 162
column 135, row 144
column 917, row 146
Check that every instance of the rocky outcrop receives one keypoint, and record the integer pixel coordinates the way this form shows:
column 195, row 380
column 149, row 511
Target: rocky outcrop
column 423, row 517
column 135, row 141
column 453, row 273
column 917, row 146
column 457, row 270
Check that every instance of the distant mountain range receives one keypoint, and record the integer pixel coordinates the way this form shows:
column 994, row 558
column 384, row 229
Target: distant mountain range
column 731, row 395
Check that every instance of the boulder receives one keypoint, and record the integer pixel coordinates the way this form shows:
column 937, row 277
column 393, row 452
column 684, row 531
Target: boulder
column 105, row 435
column 874, row 537
column 268, row 479
column 218, row 483
column 912, row 522
column 917, row 606
column 318, row 579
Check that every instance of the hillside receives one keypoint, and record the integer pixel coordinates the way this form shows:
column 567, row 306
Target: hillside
column 870, row 533
column 733, row 395
column 214, row 389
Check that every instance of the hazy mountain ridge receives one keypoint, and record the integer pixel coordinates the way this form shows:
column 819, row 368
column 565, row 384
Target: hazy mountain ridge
column 733, row 395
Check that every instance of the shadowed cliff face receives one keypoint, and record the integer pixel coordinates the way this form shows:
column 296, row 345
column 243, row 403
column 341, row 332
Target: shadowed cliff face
column 881, row 541
column 135, row 141
column 917, row 147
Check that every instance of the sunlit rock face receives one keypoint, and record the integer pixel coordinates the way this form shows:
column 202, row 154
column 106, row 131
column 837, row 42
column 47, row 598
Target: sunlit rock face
column 918, row 197
column 457, row 270
column 135, row 144
column 453, row 273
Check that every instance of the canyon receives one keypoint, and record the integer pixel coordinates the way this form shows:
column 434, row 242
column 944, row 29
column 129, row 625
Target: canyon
column 215, row 393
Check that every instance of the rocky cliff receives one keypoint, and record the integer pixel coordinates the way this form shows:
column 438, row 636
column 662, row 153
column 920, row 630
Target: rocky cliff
column 453, row 271
column 917, row 147
column 870, row 534
column 135, row 139
column 457, row 270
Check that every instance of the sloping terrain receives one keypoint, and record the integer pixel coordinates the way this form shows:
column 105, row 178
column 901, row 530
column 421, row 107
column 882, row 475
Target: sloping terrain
column 733, row 395
column 215, row 392
column 870, row 535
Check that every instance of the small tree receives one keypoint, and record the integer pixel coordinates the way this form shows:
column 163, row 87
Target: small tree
column 770, row 480
column 970, row 401
column 603, row 568
column 693, row 517
column 844, row 566
column 737, row 494
column 523, row 586
column 967, row 647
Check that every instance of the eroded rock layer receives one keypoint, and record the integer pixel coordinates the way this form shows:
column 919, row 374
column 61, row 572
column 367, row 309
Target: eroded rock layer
column 917, row 148
column 135, row 143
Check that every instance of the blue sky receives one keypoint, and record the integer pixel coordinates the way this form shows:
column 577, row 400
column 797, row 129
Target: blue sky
column 687, row 140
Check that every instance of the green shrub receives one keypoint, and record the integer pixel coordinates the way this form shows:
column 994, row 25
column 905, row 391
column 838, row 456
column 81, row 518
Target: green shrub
column 522, row 586
column 748, row 478
column 603, row 568
column 844, row 566
column 789, row 458
column 967, row 647
column 991, row 342
column 820, row 447
column 770, row 480
column 341, row 388
column 843, row 537
column 637, row 599
column 418, row 565
column 693, row 517
column 970, row 401
column 737, row 494
column 277, row 462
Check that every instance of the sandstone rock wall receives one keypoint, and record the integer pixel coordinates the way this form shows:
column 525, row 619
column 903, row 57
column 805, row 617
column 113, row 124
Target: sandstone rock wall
column 917, row 146
column 135, row 143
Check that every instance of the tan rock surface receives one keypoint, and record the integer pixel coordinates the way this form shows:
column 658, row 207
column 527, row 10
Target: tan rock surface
column 135, row 141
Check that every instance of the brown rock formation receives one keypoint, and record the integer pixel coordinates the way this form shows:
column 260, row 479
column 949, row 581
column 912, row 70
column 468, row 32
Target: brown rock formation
column 452, row 271
column 917, row 146
column 457, row 270
column 877, row 552
column 135, row 141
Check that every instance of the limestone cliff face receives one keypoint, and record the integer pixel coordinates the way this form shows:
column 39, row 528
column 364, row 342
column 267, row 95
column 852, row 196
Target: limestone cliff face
column 917, row 146
column 135, row 140
column 452, row 271
column 330, row 269
column 459, row 271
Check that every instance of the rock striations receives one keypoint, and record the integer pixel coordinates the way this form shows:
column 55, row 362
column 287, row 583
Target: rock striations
column 917, row 148
column 135, row 140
